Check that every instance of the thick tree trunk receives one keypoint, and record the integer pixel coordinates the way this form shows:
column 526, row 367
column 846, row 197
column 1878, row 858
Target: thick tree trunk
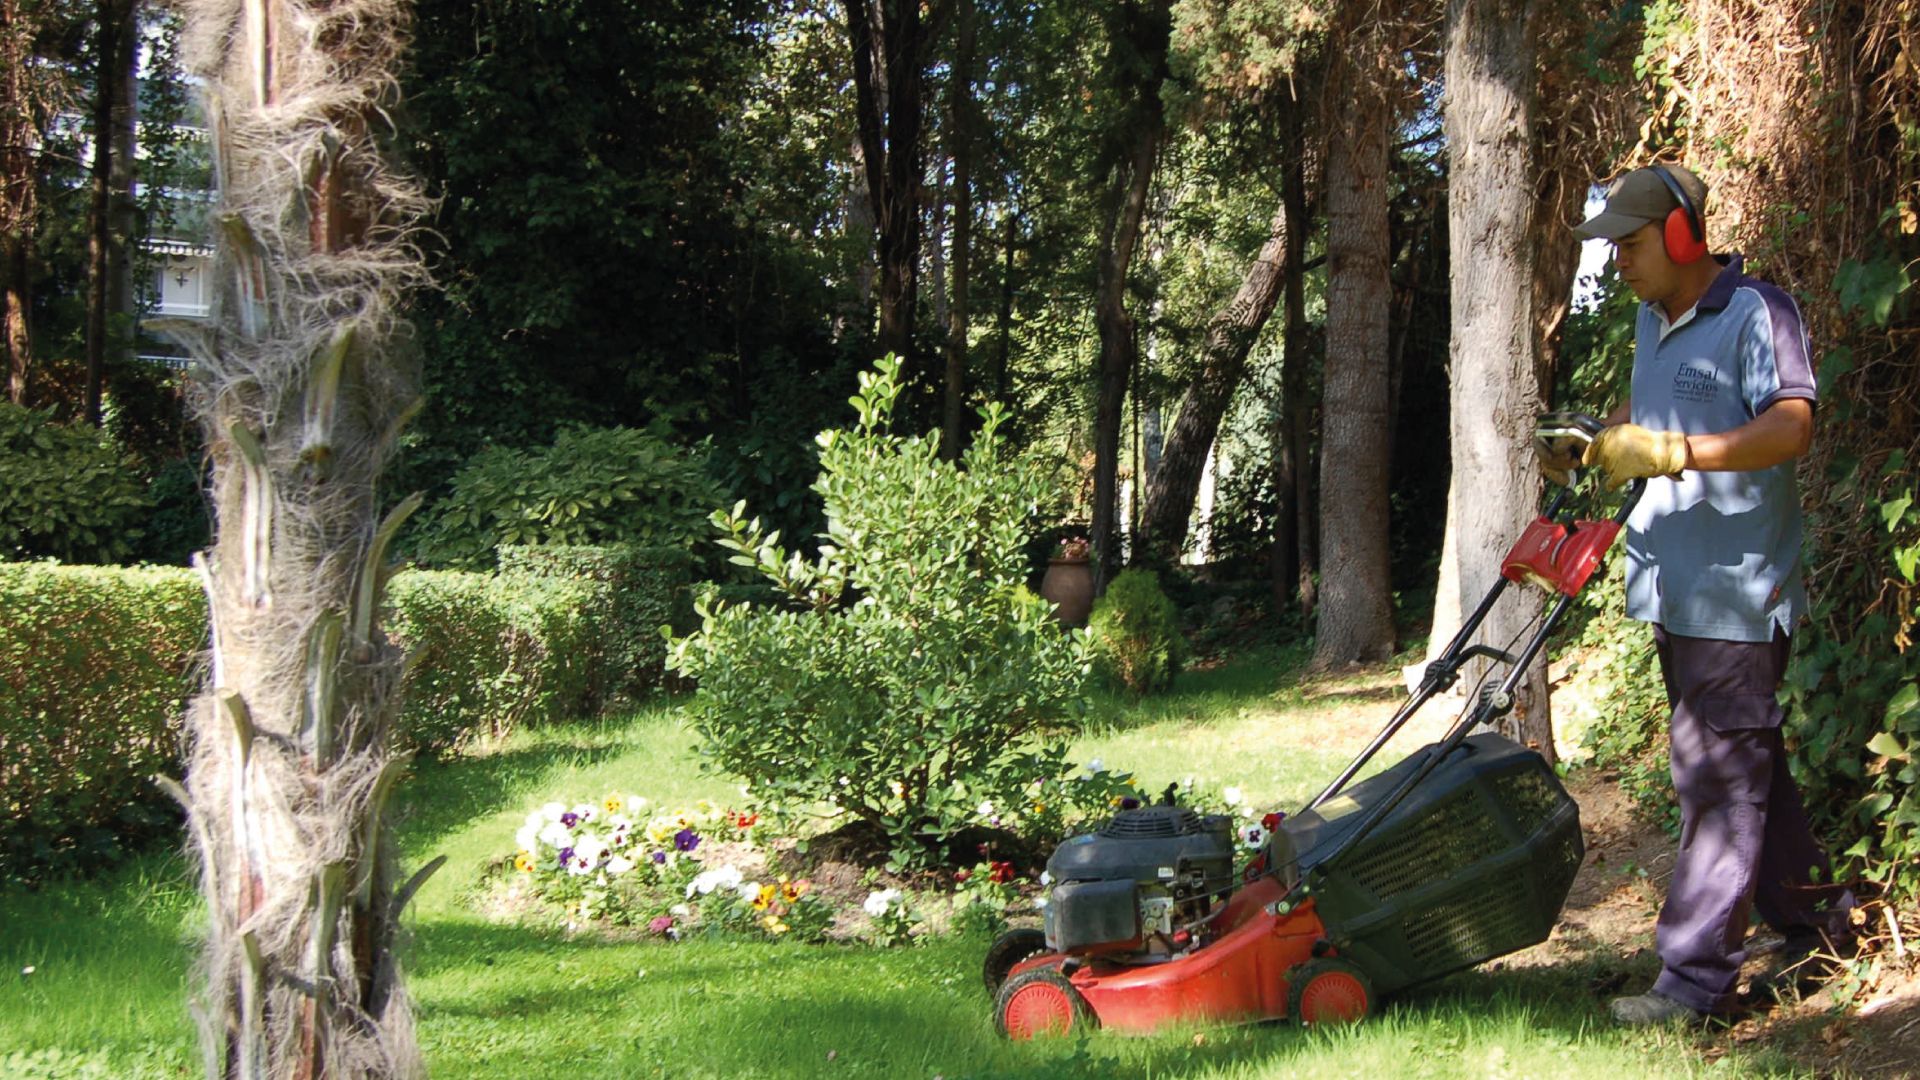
column 290, row 770
column 1496, row 384
column 1296, row 555
column 15, row 335
column 887, row 39
column 1119, row 348
column 1144, row 31
column 961, row 124
column 1230, row 335
column 113, row 30
column 19, row 149
column 1356, row 606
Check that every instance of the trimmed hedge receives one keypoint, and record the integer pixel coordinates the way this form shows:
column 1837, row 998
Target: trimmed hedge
column 642, row 589
column 490, row 653
column 97, row 663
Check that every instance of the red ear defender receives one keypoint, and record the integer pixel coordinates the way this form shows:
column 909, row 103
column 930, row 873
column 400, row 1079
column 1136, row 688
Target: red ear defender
column 1685, row 236
column 1682, row 246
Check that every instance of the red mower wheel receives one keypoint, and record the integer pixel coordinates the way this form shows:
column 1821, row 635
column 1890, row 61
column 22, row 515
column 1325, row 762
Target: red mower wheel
column 1007, row 951
column 1041, row 1002
column 1328, row 992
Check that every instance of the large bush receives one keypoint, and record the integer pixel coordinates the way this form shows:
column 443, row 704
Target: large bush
column 64, row 492
column 95, row 668
column 592, row 486
column 1135, row 632
column 913, row 682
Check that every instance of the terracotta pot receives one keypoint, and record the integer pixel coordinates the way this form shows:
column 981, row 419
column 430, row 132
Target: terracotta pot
column 1069, row 584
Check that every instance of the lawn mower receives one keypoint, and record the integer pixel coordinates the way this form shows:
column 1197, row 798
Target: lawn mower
column 1462, row 852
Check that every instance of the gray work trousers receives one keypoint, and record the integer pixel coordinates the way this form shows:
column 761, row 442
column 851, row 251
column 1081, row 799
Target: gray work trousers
column 1744, row 838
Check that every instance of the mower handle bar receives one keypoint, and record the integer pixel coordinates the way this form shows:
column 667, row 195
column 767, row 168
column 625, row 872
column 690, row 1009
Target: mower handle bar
column 1441, row 674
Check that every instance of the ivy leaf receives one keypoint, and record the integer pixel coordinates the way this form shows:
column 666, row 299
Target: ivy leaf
column 1894, row 511
column 1871, row 287
column 1886, row 745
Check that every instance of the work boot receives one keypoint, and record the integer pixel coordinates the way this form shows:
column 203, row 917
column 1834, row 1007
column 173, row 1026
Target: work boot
column 1653, row 1008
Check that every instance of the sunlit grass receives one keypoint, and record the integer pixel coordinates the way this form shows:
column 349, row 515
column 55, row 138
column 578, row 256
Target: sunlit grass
column 497, row 999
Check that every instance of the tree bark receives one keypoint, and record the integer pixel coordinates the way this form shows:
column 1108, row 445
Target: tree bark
column 888, row 43
column 1355, row 622
column 1230, row 335
column 290, row 763
column 1496, row 383
column 1003, row 352
column 1144, row 31
column 19, row 142
column 113, row 30
column 962, row 128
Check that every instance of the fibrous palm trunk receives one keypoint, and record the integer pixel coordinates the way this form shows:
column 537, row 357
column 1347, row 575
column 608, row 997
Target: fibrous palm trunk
column 290, row 769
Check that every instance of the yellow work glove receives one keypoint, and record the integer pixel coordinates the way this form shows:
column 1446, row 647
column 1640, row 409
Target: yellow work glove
column 1629, row 452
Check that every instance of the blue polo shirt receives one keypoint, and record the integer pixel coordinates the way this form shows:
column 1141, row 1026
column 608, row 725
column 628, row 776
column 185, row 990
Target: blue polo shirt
column 1717, row 554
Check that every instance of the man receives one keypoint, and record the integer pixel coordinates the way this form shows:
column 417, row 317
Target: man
column 1721, row 405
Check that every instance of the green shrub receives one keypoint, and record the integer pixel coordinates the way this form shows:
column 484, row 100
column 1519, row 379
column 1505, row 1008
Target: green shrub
column 64, row 493
column 640, row 589
column 491, row 652
column 95, row 669
column 592, row 486
column 944, row 688
column 1135, row 632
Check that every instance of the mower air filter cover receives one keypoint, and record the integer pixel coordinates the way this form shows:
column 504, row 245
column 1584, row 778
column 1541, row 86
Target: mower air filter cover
column 1093, row 916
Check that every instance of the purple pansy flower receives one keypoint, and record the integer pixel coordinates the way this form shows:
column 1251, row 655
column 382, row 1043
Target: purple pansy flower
column 686, row 840
column 569, row 819
column 566, row 855
column 660, row 857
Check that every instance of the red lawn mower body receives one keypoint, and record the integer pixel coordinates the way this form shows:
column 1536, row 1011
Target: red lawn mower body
column 1245, row 974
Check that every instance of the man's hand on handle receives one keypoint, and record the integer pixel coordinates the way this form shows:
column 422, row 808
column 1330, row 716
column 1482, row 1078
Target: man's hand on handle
column 1630, row 452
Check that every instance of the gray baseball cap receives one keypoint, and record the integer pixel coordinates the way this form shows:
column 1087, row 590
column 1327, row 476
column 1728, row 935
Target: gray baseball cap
column 1640, row 197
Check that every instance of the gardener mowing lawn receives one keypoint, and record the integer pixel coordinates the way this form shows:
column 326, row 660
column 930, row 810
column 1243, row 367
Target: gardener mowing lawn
column 1722, row 405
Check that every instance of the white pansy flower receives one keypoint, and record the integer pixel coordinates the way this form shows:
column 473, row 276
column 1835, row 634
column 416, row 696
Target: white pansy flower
column 552, row 811
column 1232, row 795
column 585, row 811
column 537, row 819
column 527, row 838
column 635, row 804
column 878, row 903
column 554, row 834
column 619, row 864
column 985, row 809
column 680, row 911
column 749, row 892
column 726, row 877
column 1096, row 767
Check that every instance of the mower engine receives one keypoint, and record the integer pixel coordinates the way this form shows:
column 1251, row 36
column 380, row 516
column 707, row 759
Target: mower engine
column 1134, row 891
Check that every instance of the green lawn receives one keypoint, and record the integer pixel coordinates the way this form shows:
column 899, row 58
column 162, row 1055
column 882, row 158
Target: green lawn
column 108, row 958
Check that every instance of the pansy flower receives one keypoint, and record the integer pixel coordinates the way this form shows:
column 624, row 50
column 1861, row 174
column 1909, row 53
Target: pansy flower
column 686, row 840
column 523, row 862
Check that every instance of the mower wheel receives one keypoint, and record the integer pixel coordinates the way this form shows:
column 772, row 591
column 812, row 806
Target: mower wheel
column 1008, row 950
column 1328, row 991
column 1041, row 1002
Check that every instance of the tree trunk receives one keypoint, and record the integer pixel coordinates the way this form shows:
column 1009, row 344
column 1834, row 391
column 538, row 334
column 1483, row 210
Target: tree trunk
column 1356, row 604
column 113, row 30
column 1144, row 30
column 1297, row 563
column 15, row 297
column 1496, row 385
column 961, row 124
column 290, row 770
column 1002, row 386
column 887, row 40
column 1223, row 360
column 19, row 139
